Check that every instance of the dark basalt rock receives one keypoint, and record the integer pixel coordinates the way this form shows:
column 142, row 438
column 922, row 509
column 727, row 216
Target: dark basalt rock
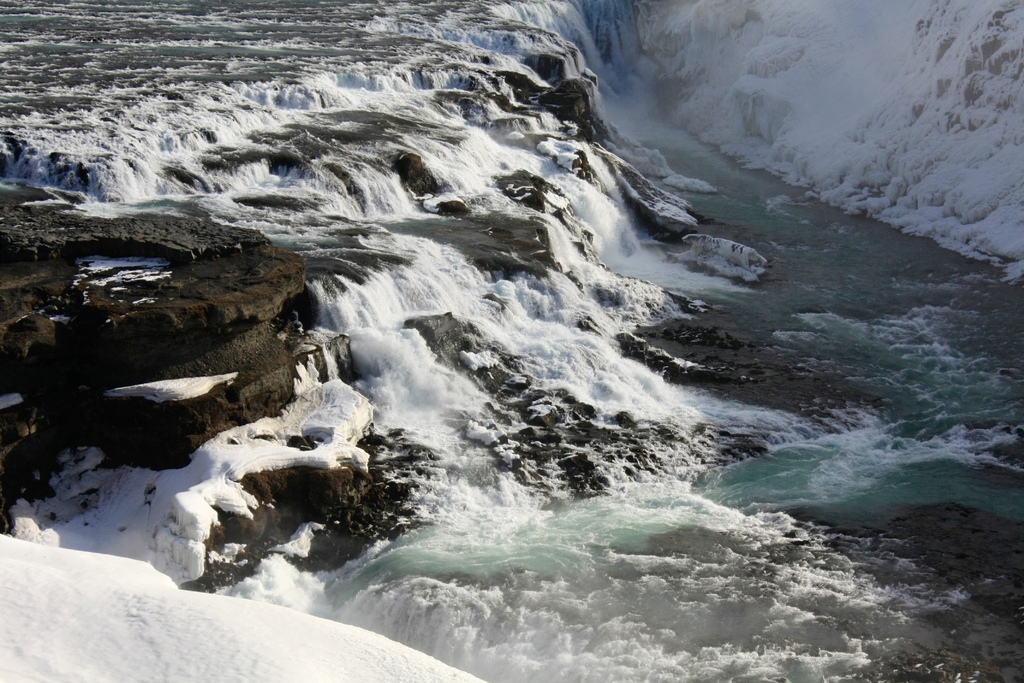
column 41, row 233
column 949, row 547
column 447, row 336
column 279, row 202
column 452, row 207
column 672, row 369
column 549, row 67
column 222, row 305
column 525, row 188
column 523, row 87
column 528, row 189
column 356, row 508
column 416, row 177
column 572, row 101
column 725, row 364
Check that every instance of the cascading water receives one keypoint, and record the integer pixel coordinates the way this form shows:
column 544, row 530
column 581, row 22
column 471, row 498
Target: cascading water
column 578, row 516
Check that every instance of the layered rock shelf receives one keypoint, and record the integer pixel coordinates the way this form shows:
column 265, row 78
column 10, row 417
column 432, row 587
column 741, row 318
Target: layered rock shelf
column 90, row 306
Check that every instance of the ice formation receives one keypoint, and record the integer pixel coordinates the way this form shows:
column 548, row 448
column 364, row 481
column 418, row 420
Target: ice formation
column 173, row 389
column 734, row 252
column 909, row 112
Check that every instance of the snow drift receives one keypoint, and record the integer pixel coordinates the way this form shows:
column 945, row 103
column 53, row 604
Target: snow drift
column 910, row 112
column 142, row 628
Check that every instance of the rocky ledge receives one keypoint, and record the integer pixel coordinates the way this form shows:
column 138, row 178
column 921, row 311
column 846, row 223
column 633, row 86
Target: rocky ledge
column 143, row 336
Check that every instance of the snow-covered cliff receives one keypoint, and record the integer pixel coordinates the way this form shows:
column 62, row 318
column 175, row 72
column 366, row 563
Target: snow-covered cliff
column 911, row 112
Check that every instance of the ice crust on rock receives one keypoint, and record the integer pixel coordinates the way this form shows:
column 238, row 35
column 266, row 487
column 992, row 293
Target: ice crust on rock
column 687, row 184
column 565, row 153
column 301, row 541
column 478, row 361
column 734, row 252
column 10, row 400
column 173, row 389
column 909, row 112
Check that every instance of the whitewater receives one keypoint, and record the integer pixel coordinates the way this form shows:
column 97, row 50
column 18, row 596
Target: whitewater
column 851, row 512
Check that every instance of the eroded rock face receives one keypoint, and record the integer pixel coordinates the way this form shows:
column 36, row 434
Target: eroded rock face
column 571, row 101
column 89, row 304
column 349, row 507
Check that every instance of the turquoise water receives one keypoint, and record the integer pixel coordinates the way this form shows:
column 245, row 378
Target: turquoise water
column 936, row 336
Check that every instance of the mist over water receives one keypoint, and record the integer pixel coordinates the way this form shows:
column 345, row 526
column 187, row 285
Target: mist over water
column 703, row 565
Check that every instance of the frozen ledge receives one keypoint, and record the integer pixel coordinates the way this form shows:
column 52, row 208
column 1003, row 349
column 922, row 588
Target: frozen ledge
column 10, row 400
column 170, row 389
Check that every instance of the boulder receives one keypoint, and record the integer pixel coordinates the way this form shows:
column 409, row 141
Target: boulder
column 447, row 336
column 345, row 509
column 414, row 174
column 529, row 190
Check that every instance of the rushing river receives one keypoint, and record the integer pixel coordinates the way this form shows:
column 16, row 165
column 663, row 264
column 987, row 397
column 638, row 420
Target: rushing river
column 698, row 563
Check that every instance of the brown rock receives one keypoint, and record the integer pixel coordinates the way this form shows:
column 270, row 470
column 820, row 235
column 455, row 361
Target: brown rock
column 416, row 177
column 219, row 306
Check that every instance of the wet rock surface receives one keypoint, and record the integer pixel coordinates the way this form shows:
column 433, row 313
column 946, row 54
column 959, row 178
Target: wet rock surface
column 549, row 436
column 666, row 218
column 355, row 509
column 710, row 353
column 415, row 175
column 972, row 556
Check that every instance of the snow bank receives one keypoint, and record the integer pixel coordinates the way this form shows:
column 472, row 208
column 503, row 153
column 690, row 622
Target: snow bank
column 911, row 112
column 64, row 619
column 166, row 517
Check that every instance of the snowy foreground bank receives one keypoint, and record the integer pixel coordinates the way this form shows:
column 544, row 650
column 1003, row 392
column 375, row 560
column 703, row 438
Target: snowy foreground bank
column 910, row 112
column 65, row 620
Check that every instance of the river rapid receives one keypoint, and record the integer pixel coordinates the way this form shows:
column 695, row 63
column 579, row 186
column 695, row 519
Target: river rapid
column 582, row 519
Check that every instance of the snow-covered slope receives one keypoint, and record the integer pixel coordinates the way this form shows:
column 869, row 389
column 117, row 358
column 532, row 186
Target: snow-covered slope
column 65, row 620
column 910, row 111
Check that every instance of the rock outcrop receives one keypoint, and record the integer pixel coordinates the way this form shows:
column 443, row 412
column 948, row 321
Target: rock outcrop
column 88, row 305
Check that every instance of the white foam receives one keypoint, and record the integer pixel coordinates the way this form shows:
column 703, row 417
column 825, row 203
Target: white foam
column 556, row 593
